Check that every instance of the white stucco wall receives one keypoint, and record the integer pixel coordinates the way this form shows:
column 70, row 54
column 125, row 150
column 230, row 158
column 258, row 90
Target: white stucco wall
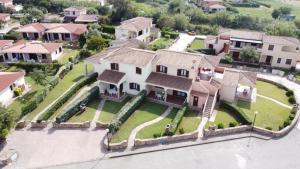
column 7, row 94
column 227, row 93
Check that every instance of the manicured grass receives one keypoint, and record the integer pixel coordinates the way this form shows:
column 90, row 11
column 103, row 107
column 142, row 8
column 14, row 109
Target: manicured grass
column 224, row 117
column 189, row 122
column 145, row 8
column 197, row 44
column 110, row 109
column 68, row 53
column 161, row 43
column 157, row 128
column 88, row 114
column 72, row 77
column 146, row 112
column 270, row 114
column 273, row 91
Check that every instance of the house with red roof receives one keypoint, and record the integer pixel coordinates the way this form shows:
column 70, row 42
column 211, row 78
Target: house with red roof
column 32, row 52
column 52, row 31
column 10, row 81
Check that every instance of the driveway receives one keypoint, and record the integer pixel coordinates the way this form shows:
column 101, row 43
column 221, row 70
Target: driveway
column 40, row 148
column 183, row 41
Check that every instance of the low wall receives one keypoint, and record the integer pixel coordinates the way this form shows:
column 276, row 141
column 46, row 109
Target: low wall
column 166, row 139
column 116, row 146
column 86, row 124
column 21, row 124
column 272, row 82
column 227, row 131
column 101, row 125
column 42, row 124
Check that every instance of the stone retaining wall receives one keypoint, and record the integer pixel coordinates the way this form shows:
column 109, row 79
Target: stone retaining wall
column 42, row 124
column 101, row 125
column 227, row 131
column 166, row 139
column 116, row 146
column 21, row 124
column 86, row 124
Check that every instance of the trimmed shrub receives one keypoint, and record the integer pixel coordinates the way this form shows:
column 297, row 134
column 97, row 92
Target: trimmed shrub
column 178, row 118
column 289, row 93
column 33, row 103
column 156, row 135
column 220, row 126
column 28, row 67
column 70, row 111
column 292, row 116
column 181, row 131
column 82, row 82
column 108, row 29
column 232, row 124
column 269, row 128
column 292, row 100
column 170, row 34
column 237, row 111
column 287, row 122
column 126, row 111
column 207, row 51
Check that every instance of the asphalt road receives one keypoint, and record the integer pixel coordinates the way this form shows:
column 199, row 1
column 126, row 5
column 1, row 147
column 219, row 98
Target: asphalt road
column 252, row 153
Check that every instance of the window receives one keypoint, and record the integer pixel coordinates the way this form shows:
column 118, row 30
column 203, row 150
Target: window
column 36, row 35
column 67, row 35
column 138, row 70
column 56, row 37
column 73, row 12
column 161, row 69
column 114, row 66
column 182, row 72
column 134, row 86
column 237, row 44
column 288, row 61
column 14, row 55
column 44, row 56
column 278, row 60
column 60, row 49
column 5, row 56
column 253, row 44
column 25, row 35
column 271, row 47
column 140, row 33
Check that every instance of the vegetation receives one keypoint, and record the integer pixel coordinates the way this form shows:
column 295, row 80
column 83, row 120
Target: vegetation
column 175, row 123
column 197, row 44
column 249, row 54
column 7, row 119
column 88, row 114
column 161, row 43
column 224, row 118
column 189, row 122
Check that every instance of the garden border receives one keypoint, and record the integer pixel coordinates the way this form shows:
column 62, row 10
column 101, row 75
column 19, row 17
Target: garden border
column 86, row 124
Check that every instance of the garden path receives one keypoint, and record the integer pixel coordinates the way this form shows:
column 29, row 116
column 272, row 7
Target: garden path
column 138, row 128
column 98, row 112
column 276, row 101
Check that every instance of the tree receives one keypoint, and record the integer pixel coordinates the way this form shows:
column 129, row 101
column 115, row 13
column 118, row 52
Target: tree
column 223, row 19
column 166, row 21
column 277, row 13
column 197, row 16
column 92, row 11
column 6, row 121
column 249, row 54
column 176, row 6
column 122, row 9
column 282, row 28
column 297, row 23
column 81, row 40
column 181, row 22
column 103, row 10
column 96, row 43
column 38, row 76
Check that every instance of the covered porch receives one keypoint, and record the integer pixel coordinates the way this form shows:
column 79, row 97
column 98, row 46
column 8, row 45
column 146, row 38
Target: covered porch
column 246, row 93
column 167, row 89
column 111, row 85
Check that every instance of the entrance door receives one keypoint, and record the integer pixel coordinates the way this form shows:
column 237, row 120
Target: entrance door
column 195, row 101
column 1, row 58
column 268, row 60
column 236, row 55
column 210, row 46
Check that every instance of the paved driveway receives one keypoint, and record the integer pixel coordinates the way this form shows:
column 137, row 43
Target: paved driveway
column 183, row 41
column 39, row 148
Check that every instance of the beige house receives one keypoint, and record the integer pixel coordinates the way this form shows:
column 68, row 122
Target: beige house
column 211, row 5
column 169, row 77
column 275, row 51
column 71, row 13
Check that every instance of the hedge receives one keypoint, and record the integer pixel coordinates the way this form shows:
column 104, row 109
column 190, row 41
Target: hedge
column 126, row 111
column 237, row 111
column 170, row 34
column 75, row 107
column 82, row 82
column 177, row 119
column 108, row 29
column 28, row 67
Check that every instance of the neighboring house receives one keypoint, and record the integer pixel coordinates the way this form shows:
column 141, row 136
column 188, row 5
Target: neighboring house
column 9, row 82
column 85, row 19
column 7, row 3
column 3, row 45
column 211, row 5
column 215, row 8
column 135, row 28
column 6, row 24
column 275, row 51
column 52, row 18
column 71, row 13
column 52, row 31
column 32, row 52
column 169, row 77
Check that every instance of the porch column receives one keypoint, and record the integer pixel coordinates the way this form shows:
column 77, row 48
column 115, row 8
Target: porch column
column 118, row 88
column 71, row 37
column 165, row 94
column 48, row 37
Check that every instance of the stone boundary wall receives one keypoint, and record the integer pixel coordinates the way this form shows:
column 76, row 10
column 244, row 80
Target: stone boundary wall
column 166, row 139
column 101, row 125
column 226, row 131
column 86, row 124
column 116, row 146
column 42, row 124
column 21, row 124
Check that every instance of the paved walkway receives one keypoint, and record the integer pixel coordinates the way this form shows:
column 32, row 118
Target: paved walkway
column 276, row 101
column 78, row 95
column 184, row 40
column 138, row 128
column 46, row 108
column 201, row 127
column 98, row 112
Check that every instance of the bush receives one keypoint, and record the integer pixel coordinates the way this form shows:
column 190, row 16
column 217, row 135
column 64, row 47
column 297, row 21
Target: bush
column 237, row 111
column 181, row 131
column 292, row 116
column 178, row 118
column 84, row 53
column 126, row 111
column 232, row 124
column 170, row 34
column 289, row 93
column 28, row 67
column 269, row 128
column 292, row 100
column 287, row 122
column 207, row 51
column 156, row 135
column 66, row 114
column 82, row 82
column 33, row 103
column 220, row 126
column 18, row 91
column 108, row 29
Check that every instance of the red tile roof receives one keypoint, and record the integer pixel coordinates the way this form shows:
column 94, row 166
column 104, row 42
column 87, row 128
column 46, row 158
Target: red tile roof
column 5, row 43
column 8, row 78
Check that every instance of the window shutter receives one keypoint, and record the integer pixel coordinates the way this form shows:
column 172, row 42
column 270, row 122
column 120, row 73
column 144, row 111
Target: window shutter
column 178, row 72
column 131, row 85
column 166, row 70
column 117, row 66
column 187, row 73
column 138, row 87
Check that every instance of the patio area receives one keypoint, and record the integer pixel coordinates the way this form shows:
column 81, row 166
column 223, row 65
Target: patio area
column 175, row 101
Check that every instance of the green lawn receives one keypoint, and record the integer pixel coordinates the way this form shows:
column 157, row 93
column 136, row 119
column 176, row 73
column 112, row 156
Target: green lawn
column 157, row 128
column 88, row 114
column 145, row 8
column 72, row 77
column 161, row 43
column 110, row 109
column 146, row 112
column 68, row 53
column 190, row 122
column 225, row 117
column 270, row 114
column 197, row 44
column 273, row 91
column 256, row 12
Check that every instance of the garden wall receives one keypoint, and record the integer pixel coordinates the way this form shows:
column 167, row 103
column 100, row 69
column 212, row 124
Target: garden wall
column 86, row 124
column 101, row 125
column 42, row 124
column 227, row 131
column 166, row 139
column 116, row 146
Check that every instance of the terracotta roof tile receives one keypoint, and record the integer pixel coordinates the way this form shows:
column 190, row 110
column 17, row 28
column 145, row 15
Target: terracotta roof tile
column 111, row 76
column 8, row 78
column 32, row 47
column 136, row 24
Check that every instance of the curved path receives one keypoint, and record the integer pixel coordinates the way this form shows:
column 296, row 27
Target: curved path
column 138, row 128
column 276, row 101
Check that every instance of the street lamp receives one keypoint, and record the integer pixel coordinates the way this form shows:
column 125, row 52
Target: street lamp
column 108, row 138
column 252, row 127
